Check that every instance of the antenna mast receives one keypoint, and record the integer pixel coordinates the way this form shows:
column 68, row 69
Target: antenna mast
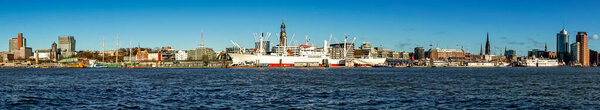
column 202, row 39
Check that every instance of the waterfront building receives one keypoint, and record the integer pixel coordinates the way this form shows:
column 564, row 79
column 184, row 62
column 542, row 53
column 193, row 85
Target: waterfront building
column 537, row 53
column 574, row 60
column 383, row 53
column 235, row 50
column 7, row 56
column 167, row 54
column 594, row 58
column 487, row 44
column 365, row 51
column 419, row 53
column 18, row 48
column 584, row 52
column 401, row 55
column 438, row 53
column 202, row 53
column 67, row 46
column 366, row 45
column 43, row 54
column 508, row 53
column 562, row 46
column 181, row 55
column 337, row 51
column 13, row 45
column 153, row 56
column 140, row 55
column 551, row 55
column 18, row 43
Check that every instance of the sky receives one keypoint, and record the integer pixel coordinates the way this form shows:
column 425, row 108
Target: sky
column 398, row 25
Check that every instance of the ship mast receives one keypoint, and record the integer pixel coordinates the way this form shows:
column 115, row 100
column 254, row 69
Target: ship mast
column 345, row 51
column 130, row 52
column 117, row 50
column 103, row 48
column 260, row 44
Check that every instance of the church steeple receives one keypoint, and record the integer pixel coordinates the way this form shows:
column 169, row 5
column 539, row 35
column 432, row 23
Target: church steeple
column 546, row 47
column 480, row 50
column 282, row 37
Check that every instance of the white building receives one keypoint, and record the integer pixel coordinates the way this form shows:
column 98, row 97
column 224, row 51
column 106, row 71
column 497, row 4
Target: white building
column 153, row 56
column 181, row 55
column 42, row 54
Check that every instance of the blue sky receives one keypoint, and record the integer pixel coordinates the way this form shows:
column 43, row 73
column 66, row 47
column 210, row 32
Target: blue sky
column 398, row 25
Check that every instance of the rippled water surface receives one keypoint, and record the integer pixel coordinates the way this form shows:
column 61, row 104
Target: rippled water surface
column 355, row 88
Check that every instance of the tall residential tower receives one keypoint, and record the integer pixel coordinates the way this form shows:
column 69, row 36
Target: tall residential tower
column 584, row 52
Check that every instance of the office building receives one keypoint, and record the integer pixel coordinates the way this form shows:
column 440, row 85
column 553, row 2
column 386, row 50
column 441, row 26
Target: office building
column 18, row 43
column 593, row 58
column 13, row 45
column 66, row 44
column 336, row 51
column 584, row 52
column 487, row 44
column 574, row 60
column 365, row 51
column 18, row 48
column 419, row 53
column 537, row 53
column 383, row 53
column 562, row 46
column 508, row 53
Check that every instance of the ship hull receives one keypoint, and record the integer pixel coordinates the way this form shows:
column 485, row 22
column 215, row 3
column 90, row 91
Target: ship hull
column 539, row 63
column 370, row 61
column 272, row 60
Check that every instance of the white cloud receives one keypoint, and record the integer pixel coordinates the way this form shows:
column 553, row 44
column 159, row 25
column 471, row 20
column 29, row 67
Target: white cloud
column 595, row 36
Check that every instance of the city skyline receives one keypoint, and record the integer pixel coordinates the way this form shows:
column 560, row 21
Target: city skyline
column 397, row 25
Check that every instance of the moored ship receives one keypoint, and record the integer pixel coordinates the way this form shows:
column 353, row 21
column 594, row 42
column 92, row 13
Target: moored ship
column 535, row 62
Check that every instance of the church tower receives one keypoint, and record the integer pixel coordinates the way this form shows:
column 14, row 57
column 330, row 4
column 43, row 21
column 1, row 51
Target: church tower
column 282, row 37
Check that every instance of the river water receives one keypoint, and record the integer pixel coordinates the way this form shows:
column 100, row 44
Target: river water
column 291, row 88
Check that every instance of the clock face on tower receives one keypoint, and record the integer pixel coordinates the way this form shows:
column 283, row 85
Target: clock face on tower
column 283, row 34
